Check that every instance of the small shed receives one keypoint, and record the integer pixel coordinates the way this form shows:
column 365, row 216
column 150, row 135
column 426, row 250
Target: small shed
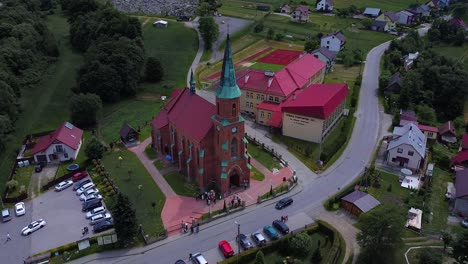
column 128, row 134
column 372, row 12
column 160, row 23
column 414, row 219
column 358, row 202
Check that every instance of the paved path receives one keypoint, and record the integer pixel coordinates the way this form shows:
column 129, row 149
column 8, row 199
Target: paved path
column 139, row 151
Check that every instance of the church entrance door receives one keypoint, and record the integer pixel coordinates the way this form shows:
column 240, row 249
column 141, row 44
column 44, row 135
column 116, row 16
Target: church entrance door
column 234, row 179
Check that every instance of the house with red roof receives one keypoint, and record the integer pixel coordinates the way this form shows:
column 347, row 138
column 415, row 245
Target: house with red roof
column 61, row 145
column 312, row 114
column 300, row 14
column 205, row 141
column 274, row 87
column 448, row 133
column 429, row 131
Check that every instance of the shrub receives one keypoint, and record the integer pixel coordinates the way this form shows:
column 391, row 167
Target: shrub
column 389, row 189
column 12, row 184
column 300, row 245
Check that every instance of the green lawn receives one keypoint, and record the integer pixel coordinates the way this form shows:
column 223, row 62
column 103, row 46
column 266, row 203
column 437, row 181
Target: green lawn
column 387, row 5
column 139, row 187
column 265, row 158
column 456, row 53
column 397, row 194
column 266, row 66
column 342, row 74
column 159, row 164
column 179, row 184
column 256, row 174
column 150, row 152
column 240, row 9
column 44, row 106
column 23, row 176
column 438, row 203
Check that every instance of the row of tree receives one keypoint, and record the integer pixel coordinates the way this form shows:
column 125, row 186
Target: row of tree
column 26, row 48
column 444, row 31
column 433, row 82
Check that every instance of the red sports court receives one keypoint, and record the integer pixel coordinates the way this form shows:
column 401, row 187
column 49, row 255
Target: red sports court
column 281, row 57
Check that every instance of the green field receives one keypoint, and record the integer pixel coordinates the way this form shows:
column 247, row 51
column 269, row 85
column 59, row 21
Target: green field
column 456, row 53
column 439, row 206
column 179, row 184
column 140, row 188
column 44, row 106
column 263, row 157
column 266, row 66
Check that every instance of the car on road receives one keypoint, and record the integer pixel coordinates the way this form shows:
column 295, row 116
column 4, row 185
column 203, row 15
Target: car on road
column 270, row 232
column 84, row 188
column 103, row 226
column 100, row 217
column 79, row 176
column 33, row 226
column 93, row 196
column 258, row 238
column 179, row 261
column 198, row 258
column 464, row 223
column 20, row 209
column 226, row 248
column 63, row 185
column 80, row 183
column 284, row 203
column 6, row 216
column 88, row 193
column 244, row 241
column 95, row 211
column 91, row 204
column 281, row 226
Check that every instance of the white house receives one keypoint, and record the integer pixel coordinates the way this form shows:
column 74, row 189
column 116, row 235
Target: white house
column 61, row 145
column 407, row 147
column 333, row 42
column 301, row 14
column 325, row 6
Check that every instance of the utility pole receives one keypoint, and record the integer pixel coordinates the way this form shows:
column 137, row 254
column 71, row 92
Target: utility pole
column 238, row 241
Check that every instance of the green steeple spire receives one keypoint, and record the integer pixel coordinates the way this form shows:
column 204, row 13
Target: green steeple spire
column 192, row 83
column 228, row 88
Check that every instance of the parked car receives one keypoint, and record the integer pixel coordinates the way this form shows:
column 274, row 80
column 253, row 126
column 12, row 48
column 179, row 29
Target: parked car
column 38, row 167
column 33, row 226
column 6, row 216
column 225, row 248
column 20, row 209
column 244, row 241
column 80, row 183
column 79, row 176
column 103, row 226
column 88, row 193
column 90, row 197
column 90, row 205
column 100, row 217
column 281, row 226
column 284, row 203
column 179, row 261
column 95, row 211
column 198, row 258
column 270, row 232
column 464, row 223
column 258, row 238
column 84, row 188
column 63, row 185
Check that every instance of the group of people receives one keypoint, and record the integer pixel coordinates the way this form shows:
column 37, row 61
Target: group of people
column 208, row 197
column 194, row 227
column 161, row 7
column 236, row 201
column 284, row 218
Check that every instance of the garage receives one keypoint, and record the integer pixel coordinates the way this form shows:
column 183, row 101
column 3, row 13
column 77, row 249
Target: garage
column 41, row 158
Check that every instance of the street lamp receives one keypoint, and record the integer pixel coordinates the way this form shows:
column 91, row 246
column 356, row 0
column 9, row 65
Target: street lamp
column 238, row 241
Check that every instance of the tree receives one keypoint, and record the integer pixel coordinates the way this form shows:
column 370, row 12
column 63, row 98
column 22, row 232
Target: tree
column 209, row 31
column 125, row 222
column 380, row 234
column 204, row 9
column 426, row 114
column 366, row 22
column 300, row 244
column 460, row 247
column 258, row 27
column 428, row 256
column 154, row 71
column 447, row 239
column 270, row 33
column 311, row 45
column 259, row 258
column 316, row 256
column 84, row 109
column 94, row 149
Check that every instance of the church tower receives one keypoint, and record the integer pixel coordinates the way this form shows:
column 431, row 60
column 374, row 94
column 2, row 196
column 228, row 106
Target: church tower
column 230, row 148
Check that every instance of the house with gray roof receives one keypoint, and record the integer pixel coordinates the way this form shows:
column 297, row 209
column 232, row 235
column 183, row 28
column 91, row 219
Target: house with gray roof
column 405, row 18
column 407, row 147
column 380, row 26
column 461, row 193
column 326, row 56
column 394, row 84
column 359, row 202
column 372, row 12
column 333, row 41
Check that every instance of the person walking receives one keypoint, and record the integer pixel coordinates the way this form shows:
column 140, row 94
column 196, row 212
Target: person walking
column 197, row 228
column 191, row 229
column 8, row 237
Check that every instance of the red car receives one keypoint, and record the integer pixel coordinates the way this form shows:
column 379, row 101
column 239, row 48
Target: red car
column 226, row 248
column 79, row 175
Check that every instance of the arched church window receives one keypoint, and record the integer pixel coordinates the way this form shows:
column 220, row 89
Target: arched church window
column 234, row 148
column 234, row 110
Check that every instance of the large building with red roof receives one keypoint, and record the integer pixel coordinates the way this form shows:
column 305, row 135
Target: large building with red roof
column 263, row 86
column 206, row 141
column 61, row 145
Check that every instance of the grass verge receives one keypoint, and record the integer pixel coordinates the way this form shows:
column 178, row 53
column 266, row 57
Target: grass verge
column 265, row 158
column 180, row 185
column 256, row 175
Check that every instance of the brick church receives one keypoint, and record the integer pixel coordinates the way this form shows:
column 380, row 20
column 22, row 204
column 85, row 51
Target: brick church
column 205, row 141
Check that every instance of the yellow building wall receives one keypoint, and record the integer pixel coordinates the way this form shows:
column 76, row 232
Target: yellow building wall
column 302, row 127
column 263, row 116
column 249, row 100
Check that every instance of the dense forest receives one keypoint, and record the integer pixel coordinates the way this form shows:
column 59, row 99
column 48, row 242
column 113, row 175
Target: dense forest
column 27, row 47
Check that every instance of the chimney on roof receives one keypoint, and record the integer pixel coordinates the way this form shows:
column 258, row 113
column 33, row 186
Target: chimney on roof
column 246, row 78
column 269, row 73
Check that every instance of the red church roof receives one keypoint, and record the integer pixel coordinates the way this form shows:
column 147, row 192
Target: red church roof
column 318, row 100
column 284, row 82
column 461, row 157
column 428, row 128
column 67, row 134
column 189, row 112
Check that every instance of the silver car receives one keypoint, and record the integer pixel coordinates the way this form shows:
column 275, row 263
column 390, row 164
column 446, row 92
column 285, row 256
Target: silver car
column 259, row 239
column 95, row 211
column 33, row 226
column 88, row 193
column 63, row 185
column 100, row 217
column 84, row 188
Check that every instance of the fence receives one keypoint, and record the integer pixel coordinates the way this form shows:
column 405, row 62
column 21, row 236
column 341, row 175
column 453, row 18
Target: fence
column 150, row 240
column 268, row 149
